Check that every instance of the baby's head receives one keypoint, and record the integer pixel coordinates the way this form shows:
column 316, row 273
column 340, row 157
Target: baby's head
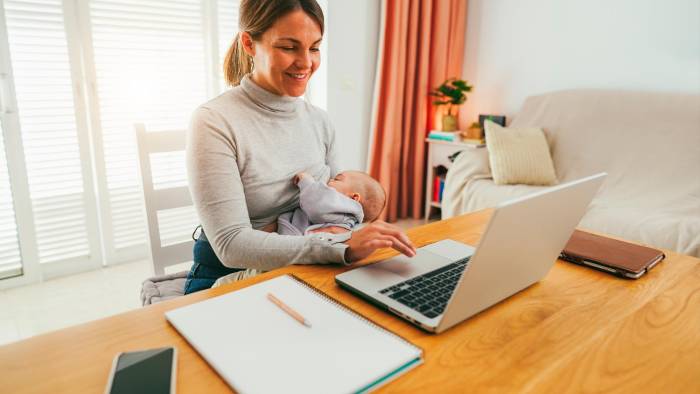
column 363, row 189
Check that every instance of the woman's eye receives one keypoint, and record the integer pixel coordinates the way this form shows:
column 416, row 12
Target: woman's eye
column 315, row 49
column 287, row 48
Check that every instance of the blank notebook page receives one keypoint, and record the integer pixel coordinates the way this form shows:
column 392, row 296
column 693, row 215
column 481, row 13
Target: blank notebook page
column 258, row 348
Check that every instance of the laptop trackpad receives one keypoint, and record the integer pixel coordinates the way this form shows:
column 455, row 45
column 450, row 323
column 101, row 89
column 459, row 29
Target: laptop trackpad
column 375, row 277
column 451, row 249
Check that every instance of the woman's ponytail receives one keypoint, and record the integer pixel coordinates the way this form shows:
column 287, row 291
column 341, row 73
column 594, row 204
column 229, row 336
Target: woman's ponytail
column 237, row 62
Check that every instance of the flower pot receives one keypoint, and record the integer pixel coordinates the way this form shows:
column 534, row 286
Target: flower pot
column 475, row 133
column 449, row 123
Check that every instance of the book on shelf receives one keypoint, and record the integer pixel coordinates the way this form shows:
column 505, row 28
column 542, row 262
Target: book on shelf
column 473, row 141
column 453, row 136
column 436, row 189
column 443, row 135
column 438, row 186
column 442, row 187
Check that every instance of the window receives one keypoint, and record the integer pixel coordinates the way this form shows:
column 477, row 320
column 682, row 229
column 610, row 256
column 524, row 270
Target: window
column 80, row 73
column 58, row 180
column 77, row 75
column 149, row 67
column 10, row 264
column 227, row 30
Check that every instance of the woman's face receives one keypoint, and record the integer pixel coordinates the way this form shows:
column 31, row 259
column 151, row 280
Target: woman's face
column 286, row 55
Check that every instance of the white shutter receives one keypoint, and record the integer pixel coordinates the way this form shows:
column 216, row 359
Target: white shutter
column 10, row 262
column 227, row 15
column 150, row 67
column 44, row 91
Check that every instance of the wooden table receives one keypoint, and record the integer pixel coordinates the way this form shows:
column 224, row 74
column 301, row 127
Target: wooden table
column 577, row 330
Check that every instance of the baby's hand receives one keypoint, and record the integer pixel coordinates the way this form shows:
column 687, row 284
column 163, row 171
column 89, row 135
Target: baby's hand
column 298, row 177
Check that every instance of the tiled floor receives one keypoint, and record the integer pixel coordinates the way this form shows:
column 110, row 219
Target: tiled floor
column 62, row 302
column 30, row 310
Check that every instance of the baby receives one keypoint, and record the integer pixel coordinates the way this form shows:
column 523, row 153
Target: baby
column 351, row 198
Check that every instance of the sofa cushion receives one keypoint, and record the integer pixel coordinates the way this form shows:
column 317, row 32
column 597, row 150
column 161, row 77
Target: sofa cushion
column 163, row 287
column 519, row 156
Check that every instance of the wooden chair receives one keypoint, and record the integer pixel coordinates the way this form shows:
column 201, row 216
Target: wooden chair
column 163, row 198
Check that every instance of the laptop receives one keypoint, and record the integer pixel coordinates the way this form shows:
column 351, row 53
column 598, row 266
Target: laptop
column 448, row 281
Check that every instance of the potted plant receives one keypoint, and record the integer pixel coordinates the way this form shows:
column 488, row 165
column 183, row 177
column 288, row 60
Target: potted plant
column 474, row 132
column 452, row 94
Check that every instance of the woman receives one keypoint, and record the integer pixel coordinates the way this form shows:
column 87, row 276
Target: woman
column 245, row 146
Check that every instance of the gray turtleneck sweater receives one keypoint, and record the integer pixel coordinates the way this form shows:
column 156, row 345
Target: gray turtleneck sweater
column 243, row 149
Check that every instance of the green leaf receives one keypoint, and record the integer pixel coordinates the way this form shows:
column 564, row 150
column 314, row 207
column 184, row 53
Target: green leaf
column 460, row 84
column 452, row 91
column 446, row 90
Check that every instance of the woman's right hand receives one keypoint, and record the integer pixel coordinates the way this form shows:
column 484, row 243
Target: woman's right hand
column 374, row 236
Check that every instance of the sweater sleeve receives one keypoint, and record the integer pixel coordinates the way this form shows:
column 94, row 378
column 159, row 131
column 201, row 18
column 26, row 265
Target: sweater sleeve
column 218, row 195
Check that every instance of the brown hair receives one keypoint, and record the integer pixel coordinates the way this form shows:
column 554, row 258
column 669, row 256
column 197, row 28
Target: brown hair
column 255, row 17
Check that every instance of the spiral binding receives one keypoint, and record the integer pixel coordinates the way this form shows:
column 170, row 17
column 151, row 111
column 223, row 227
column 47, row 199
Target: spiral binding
column 351, row 311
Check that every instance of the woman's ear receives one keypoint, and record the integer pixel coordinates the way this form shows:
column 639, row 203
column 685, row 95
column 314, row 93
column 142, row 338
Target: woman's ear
column 247, row 43
column 356, row 197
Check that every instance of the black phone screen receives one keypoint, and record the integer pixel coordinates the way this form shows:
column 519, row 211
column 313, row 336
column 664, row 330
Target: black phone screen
column 147, row 371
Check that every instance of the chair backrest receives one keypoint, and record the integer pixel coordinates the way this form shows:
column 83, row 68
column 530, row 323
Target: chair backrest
column 162, row 198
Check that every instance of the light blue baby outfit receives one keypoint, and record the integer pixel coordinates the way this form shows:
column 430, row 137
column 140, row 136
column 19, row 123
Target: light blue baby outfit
column 319, row 206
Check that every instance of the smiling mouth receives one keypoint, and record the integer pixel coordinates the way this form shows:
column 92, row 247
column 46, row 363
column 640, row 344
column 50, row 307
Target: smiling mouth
column 298, row 76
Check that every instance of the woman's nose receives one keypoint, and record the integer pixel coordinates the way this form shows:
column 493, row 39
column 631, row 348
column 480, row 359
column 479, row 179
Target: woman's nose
column 304, row 61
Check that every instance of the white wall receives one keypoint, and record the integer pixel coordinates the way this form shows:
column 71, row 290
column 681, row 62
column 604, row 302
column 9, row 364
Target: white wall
column 353, row 37
column 517, row 48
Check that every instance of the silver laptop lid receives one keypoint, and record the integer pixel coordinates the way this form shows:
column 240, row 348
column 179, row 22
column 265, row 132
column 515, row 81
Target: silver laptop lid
column 520, row 245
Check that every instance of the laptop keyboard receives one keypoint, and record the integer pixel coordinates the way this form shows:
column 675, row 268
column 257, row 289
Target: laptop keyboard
column 428, row 293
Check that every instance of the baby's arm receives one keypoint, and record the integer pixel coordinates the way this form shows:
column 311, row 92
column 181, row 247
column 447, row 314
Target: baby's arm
column 330, row 229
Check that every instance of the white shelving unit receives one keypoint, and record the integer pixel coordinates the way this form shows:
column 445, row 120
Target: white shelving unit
column 438, row 155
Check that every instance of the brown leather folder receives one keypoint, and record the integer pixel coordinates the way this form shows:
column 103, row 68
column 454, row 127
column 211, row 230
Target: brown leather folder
column 610, row 255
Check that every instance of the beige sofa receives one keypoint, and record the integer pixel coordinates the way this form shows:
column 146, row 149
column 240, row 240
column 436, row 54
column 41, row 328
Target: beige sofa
column 648, row 143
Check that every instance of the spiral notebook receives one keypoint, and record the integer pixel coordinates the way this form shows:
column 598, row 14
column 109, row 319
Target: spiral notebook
column 258, row 348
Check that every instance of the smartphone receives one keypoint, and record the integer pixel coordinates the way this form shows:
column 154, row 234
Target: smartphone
column 146, row 371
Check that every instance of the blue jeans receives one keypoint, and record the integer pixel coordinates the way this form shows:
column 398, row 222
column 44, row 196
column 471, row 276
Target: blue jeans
column 206, row 268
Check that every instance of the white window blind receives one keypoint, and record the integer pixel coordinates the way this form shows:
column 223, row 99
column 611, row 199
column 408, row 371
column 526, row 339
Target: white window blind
column 150, row 66
column 227, row 15
column 80, row 74
column 10, row 263
column 42, row 77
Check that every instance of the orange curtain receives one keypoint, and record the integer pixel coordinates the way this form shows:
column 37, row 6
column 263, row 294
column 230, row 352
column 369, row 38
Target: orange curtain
column 423, row 45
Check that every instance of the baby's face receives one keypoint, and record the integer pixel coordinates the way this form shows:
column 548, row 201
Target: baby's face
column 346, row 183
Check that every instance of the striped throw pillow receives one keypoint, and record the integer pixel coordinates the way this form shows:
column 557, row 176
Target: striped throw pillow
column 519, row 156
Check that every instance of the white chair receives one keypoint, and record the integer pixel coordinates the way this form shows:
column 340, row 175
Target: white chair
column 162, row 199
